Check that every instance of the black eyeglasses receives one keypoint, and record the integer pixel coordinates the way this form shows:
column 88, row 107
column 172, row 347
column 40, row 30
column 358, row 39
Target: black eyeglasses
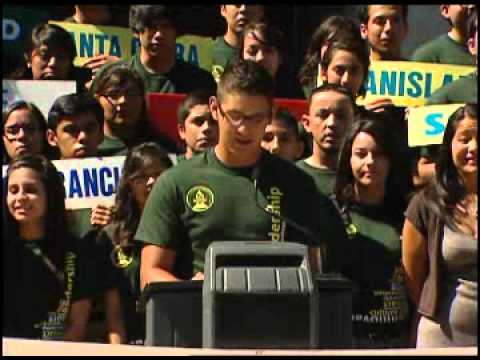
column 13, row 131
column 236, row 118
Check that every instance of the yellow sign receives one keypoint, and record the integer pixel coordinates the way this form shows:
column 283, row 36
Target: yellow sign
column 196, row 50
column 407, row 83
column 426, row 124
column 92, row 40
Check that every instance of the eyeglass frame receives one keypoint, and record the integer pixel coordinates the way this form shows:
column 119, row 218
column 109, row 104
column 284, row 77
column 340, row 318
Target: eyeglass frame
column 251, row 118
column 28, row 130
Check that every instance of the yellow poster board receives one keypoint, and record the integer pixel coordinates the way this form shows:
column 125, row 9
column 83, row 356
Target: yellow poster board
column 407, row 83
column 426, row 124
column 93, row 40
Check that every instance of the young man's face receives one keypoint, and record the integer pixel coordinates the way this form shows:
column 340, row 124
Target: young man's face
column 330, row 115
column 457, row 14
column 281, row 140
column 50, row 63
column 237, row 16
column 159, row 39
column 241, row 120
column 255, row 48
column 385, row 30
column 77, row 137
column 200, row 130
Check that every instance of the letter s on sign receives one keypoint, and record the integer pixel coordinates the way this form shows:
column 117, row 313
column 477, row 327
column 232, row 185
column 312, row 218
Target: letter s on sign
column 433, row 120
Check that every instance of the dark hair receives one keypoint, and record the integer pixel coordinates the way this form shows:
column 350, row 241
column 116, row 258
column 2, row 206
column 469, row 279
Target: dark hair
column 57, row 238
column 448, row 189
column 126, row 214
column 246, row 76
column 192, row 99
column 146, row 16
column 290, row 121
column 357, row 47
column 330, row 30
column 271, row 36
column 71, row 105
column 472, row 23
column 37, row 116
column 332, row 87
column 396, row 182
column 51, row 35
column 363, row 12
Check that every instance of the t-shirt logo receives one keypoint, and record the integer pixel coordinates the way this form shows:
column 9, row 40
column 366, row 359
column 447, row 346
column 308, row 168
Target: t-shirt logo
column 200, row 198
column 120, row 258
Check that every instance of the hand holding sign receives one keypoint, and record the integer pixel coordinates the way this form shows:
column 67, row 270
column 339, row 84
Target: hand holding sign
column 101, row 215
column 96, row 62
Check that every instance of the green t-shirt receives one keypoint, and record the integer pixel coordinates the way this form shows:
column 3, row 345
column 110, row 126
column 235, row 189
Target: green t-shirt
column 222, row 54
column 182, row 77
column 202, row 200
column 79, row 222
column 112, row 146
column 38, row 305
column 120, row 269
column 443, row 50
column 380, row 302
column 324, row 178
column 462, row 90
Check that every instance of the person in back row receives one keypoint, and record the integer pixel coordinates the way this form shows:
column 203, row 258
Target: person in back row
column 155, row 61
column 196, row 126
column 234, row 191
column 449, row 48
column 330, row 114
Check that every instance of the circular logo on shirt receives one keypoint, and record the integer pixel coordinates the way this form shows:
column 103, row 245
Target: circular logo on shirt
column 200, row 198
column 121, row 259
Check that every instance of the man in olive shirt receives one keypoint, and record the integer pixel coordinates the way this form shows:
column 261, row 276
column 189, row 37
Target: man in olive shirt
column 448, row 48
column 233, row 191
column 156, row 62
column 225, row 47
column 330, row 113
column 465, row 89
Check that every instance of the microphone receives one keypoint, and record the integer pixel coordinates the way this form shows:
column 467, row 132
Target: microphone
column 305, row 231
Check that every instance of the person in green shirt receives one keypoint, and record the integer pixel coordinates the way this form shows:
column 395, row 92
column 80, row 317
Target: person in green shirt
column 464, row 89
column 196, row 126
column 225, row 47
column 330, row 113
column 370, row 194
column 121, row 93
column 156, row 62
column 449, row 48
column 234, row 191
column 47, row 279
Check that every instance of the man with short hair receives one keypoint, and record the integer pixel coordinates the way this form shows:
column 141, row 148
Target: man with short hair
column 196, row 126
column 464, row 89
column 225, row 47
column 282, row 136
column 330, row 113
column 155, row 61
column 233, row 191
column 450, row 48
column 385, row 28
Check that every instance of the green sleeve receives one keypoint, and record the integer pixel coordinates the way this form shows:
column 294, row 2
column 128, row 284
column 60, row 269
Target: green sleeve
column 160, row 223
column 423, row 54
column 440, row 96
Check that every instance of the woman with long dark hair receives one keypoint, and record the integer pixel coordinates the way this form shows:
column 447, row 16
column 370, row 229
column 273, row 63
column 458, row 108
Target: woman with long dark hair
column 47, row 287
column 369, row 195
column 440, row 240
column 143, row 164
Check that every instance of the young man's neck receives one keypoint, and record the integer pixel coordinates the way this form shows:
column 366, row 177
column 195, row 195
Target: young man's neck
column 457, row 36
column 369, row 195
column 232, row 39
column 159, row 64
column 376, row 56
column 34, row 231
column 322, row 160
column 232, row 158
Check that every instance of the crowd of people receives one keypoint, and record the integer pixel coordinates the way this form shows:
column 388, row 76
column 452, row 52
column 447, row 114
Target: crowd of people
column 400, row 223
